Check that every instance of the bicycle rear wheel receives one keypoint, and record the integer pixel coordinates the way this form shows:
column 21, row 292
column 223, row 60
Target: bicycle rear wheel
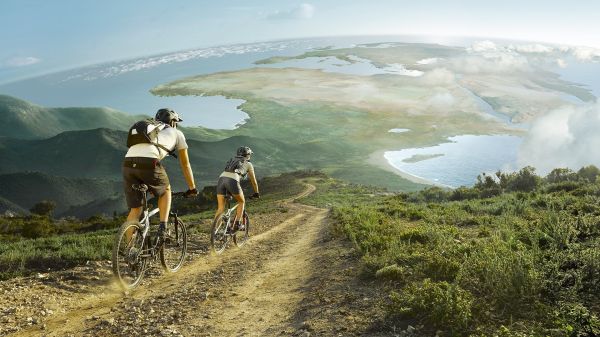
column 174, row 247
column 218, row 234
column 127, row 264
column 241, row 237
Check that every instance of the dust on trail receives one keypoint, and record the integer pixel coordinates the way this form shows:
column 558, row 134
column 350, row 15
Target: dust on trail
column 266, row 288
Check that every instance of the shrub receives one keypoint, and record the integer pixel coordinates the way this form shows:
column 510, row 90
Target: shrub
column 440, row 304
column 37, row 228
column 574, row 319
column 503, row 274
column 589, row 173
column 559, row 175
column 391, row 272
column 44, row 207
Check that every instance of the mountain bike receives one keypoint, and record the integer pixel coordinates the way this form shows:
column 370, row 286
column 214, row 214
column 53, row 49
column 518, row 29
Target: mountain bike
column 135, row 249
column 222, row 231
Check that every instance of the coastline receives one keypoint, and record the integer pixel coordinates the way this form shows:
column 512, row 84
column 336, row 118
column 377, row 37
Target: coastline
column 378, row 160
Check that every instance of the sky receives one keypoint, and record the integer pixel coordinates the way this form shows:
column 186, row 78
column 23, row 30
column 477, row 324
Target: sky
column 41, row 36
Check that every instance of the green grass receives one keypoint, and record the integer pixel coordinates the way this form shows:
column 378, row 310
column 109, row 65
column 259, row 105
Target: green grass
column 513, row 256
column 25, row 256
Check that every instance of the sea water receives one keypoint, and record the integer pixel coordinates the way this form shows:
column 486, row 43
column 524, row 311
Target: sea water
column 462, row 160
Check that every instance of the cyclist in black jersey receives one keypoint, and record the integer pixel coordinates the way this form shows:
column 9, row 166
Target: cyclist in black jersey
column 236, row 169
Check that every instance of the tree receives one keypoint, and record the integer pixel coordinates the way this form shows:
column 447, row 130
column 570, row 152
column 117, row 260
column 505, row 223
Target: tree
column 589, row 173
column 44, row 207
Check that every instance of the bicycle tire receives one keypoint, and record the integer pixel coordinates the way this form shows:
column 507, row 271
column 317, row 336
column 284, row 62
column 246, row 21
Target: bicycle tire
column 241, row 237
column 127, row 265
column 218, row 237
column 174, row 247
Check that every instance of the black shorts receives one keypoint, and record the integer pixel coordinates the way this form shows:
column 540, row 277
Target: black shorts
column 140, row 170
column 226, row 184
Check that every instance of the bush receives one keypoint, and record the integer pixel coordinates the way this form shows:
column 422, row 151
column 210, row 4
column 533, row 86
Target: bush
column 37, row 228
column 574, row 319
column 560, row 175
column 392, row 272
column 440, row 304
column 506, row 275
column 44, row 207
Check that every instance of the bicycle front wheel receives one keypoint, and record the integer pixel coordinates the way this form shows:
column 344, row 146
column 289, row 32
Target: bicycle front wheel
column 218, row 234
column 174, row 247
column 127, row 263
column 241, row 237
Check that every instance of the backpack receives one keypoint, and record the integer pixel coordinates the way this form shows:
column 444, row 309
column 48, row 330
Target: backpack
column 236, row 165
column 146, row 131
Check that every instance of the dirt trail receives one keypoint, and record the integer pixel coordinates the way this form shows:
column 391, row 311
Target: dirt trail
column 274, row 285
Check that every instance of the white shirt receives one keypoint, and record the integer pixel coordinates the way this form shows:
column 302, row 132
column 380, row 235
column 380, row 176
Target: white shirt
column 171, row 138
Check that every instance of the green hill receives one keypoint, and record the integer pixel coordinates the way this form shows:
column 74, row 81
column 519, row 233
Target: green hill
column 99, row 154
column 27, row 189
column 30, row 121
column 80, row 154
column 7, row 205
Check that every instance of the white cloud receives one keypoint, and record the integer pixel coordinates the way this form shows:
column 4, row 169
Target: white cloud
column 565, row 137
column 483, row 46
column 430, row 60
column 302, row 12
column 15, row 62
column 586, row 53
column 488, row 57
column 532, row 48
column 438, row 77
column 441, row 101
column 561, row 63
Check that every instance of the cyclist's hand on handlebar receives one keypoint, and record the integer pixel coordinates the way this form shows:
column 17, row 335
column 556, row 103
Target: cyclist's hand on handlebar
column 190, row 193
column 256, row 195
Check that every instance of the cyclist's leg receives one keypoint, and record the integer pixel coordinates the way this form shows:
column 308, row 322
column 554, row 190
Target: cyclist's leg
column 220, row 205
column 241, row 204
column 164, row 204
column 222, row 190
column 133, row 197
column 158, row 183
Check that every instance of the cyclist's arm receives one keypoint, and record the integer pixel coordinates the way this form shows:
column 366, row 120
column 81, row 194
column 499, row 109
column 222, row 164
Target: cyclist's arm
column 253, row 180
column 184, row 161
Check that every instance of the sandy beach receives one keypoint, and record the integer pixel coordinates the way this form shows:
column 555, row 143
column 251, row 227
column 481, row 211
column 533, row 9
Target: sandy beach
column 377, row 159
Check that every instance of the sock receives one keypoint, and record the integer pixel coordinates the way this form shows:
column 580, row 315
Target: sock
column 162, row 225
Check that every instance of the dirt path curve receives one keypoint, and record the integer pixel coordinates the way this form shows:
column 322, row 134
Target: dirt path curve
column 253, row 291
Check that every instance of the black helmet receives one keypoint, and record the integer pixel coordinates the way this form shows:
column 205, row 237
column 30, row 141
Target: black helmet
column 166, row 115
column 244, row 151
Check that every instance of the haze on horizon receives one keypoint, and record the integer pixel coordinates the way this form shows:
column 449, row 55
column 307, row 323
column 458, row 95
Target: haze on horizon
column 42, row 37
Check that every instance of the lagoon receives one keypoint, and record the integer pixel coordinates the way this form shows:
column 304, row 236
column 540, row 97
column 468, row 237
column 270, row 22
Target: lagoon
column 463, row 159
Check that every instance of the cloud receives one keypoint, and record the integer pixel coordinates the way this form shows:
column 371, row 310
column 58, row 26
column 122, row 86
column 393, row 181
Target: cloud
column 532, row 48
column 565, row 137
column 488, row 57
column 483, row 46
column 438, row 77
column 16, row 62
column 585, row 53
column 441, row 101
column 302, row 12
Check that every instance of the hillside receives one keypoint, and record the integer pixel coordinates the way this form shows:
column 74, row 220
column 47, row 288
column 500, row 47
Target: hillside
column 30, row 121
column 94, row 153
column 27, row 189
column 516, row 255
column 61, row 139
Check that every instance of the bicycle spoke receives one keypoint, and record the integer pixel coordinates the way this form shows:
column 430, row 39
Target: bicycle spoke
column 174, row 246
column 128, row 265
column 218, row 234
